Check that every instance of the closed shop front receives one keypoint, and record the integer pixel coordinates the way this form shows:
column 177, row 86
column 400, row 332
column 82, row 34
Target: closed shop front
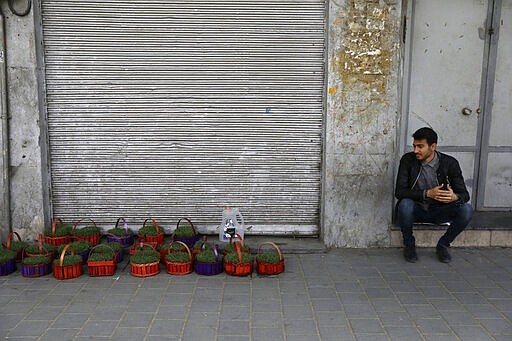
column 166, row 109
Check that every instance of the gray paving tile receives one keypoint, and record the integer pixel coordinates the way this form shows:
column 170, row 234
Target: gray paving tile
column 470, row 298
column 411, row 298
column 322, row 304
column 448, row 304
column 166, row 327
column 199, row 333
column 348, row 286
column 432, row 326
column 483, row 311
column 98, row 328
column 422, row 311
column 17, row 308
column 360, row 310
column 455, row 318
column 300, row 327
column 366, row 325
column 177, row 299
column 129, row 334
column 302, row 337
column 267, row 334
column 80, row 307
column 242, row 300
column 404, row 334
column 236, row 313
column 266, row 306
column 172, row 312
column 298, row 312
column 140, row 320
column 70, row 320
column 354, row 297
column 59, row 334
column 333, row 333
column 106, row 313
column 387, row 305
column 502, row 304
column 238, row 327
column 265, row 320
column 472, row 333
column 335, row 318
column 371, row 337
column 294, row 298
column 203, row 319
column 9, row 321
column 497, row 326
column 441, row 337
column 397, row 319
column 29, row 328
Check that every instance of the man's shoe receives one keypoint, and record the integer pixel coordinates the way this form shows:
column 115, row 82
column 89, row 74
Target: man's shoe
column 442, row 254
column 410, row 254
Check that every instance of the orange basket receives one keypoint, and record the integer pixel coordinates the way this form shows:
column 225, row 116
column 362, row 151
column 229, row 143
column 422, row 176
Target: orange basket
column 240, row 268
column 57, row 241
column 93, row 239
column 157, row 240
column 19, row 253
column 101, row 268
column 145, row 270
column 69, row 271
column 179, row 268
column 42, row 251
column 265, row 268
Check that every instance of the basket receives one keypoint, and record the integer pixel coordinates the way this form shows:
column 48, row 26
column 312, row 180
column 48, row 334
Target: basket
column 119, row 256
column 57, row 241
column 19, row 253
column 36, row 270
column 264, row 268
column 191, row 240
column 241, row 242
column 133, row 249
column 238, row 269
column 179, row 268
column 209, row 269
column 42, row 250
column 67, row 272
column 93, row 239
column 101, row 268
column 8, row 267
column 157, row 240
column 126, row 240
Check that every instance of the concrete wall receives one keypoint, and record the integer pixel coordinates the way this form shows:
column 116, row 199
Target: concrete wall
column 362, row 111
column 26, row 204
column 362, row 114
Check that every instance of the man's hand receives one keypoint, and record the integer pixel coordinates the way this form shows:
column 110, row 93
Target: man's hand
column 442, row 195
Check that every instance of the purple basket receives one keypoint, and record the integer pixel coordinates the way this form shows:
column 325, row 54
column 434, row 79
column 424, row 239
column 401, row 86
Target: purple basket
column 85, row 256
column 8, row 267
column 125, row 241
column 119, row 256
column 36, row 270
column 209, row 269
column 189, row 241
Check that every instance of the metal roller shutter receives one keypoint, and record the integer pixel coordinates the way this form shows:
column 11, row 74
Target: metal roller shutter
column 178, row 108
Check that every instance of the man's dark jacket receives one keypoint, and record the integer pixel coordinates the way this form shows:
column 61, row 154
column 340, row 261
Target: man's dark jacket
column 409, row 170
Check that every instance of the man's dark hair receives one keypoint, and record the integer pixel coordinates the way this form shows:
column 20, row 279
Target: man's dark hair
column 425, row 133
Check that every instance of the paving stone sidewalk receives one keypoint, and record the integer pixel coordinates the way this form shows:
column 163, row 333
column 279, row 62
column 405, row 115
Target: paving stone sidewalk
column 344, row 294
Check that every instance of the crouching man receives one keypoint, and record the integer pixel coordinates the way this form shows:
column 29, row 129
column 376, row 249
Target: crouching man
column 430, row 189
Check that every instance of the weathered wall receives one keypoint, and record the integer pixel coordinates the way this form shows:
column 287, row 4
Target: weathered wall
column 362, row 105
column 25, row 155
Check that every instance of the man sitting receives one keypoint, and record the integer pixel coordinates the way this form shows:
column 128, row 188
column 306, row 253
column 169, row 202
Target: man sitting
column 430, row 189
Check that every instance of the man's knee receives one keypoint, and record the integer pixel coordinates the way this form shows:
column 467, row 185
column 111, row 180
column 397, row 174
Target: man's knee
column 465, row 212
column 406, row 206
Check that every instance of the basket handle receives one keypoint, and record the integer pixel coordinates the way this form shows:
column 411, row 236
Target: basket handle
column 63, row 253
column 190, row 222
column 54, row 225
column 240, row 239
column 275, row 247
column 9, row 237
column 185, row 245
column 154, row 223
column 215, row 252
column 90, row 252
column 125, row 224
column 237, row 248
column 40, row 242
column 80, row 220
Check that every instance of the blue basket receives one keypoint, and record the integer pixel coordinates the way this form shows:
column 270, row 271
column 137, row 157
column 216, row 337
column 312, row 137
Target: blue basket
column 8, row 267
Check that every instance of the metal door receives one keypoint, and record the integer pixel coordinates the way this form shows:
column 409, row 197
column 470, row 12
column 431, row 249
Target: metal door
column 451, row 61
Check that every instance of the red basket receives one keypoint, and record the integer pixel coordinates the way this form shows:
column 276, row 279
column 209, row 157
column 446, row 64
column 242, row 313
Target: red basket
column 36, row 270
column 238, row 269
column 69, row 271
column 241, row 242
column 144, row 270
column 42, row 251
column 133, row 249
column 19, row 253
column 179, row 268
column 57, row 241
column 101, row 268
column 93, row 239
column 157, row 240
column 264, row 268
column 189, row 241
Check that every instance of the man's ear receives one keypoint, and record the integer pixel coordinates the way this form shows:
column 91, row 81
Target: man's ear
column 433, row 146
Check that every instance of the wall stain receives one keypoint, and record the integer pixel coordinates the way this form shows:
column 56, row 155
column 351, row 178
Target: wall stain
column 363, row 57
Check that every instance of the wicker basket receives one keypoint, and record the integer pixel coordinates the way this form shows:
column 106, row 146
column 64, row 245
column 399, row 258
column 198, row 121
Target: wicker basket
column 179, row 268
column 67, row 272
column 57, row 241
column 240, row 240
column 144, row 270
column 36, row 270
column 210, row 269
column 101, row 268
column 126, row 240
column 134, row 250
column 238, row 268
column 93, row 239
column 189, row 241
column 8, row 267
column 157, row 240
column 264, row 268
column 42, row 250
column 19, row 253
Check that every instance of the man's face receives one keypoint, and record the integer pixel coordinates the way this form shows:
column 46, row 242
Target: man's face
column 423, row 151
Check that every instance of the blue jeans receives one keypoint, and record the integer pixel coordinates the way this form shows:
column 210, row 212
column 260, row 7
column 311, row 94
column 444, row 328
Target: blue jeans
column 410, row 212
